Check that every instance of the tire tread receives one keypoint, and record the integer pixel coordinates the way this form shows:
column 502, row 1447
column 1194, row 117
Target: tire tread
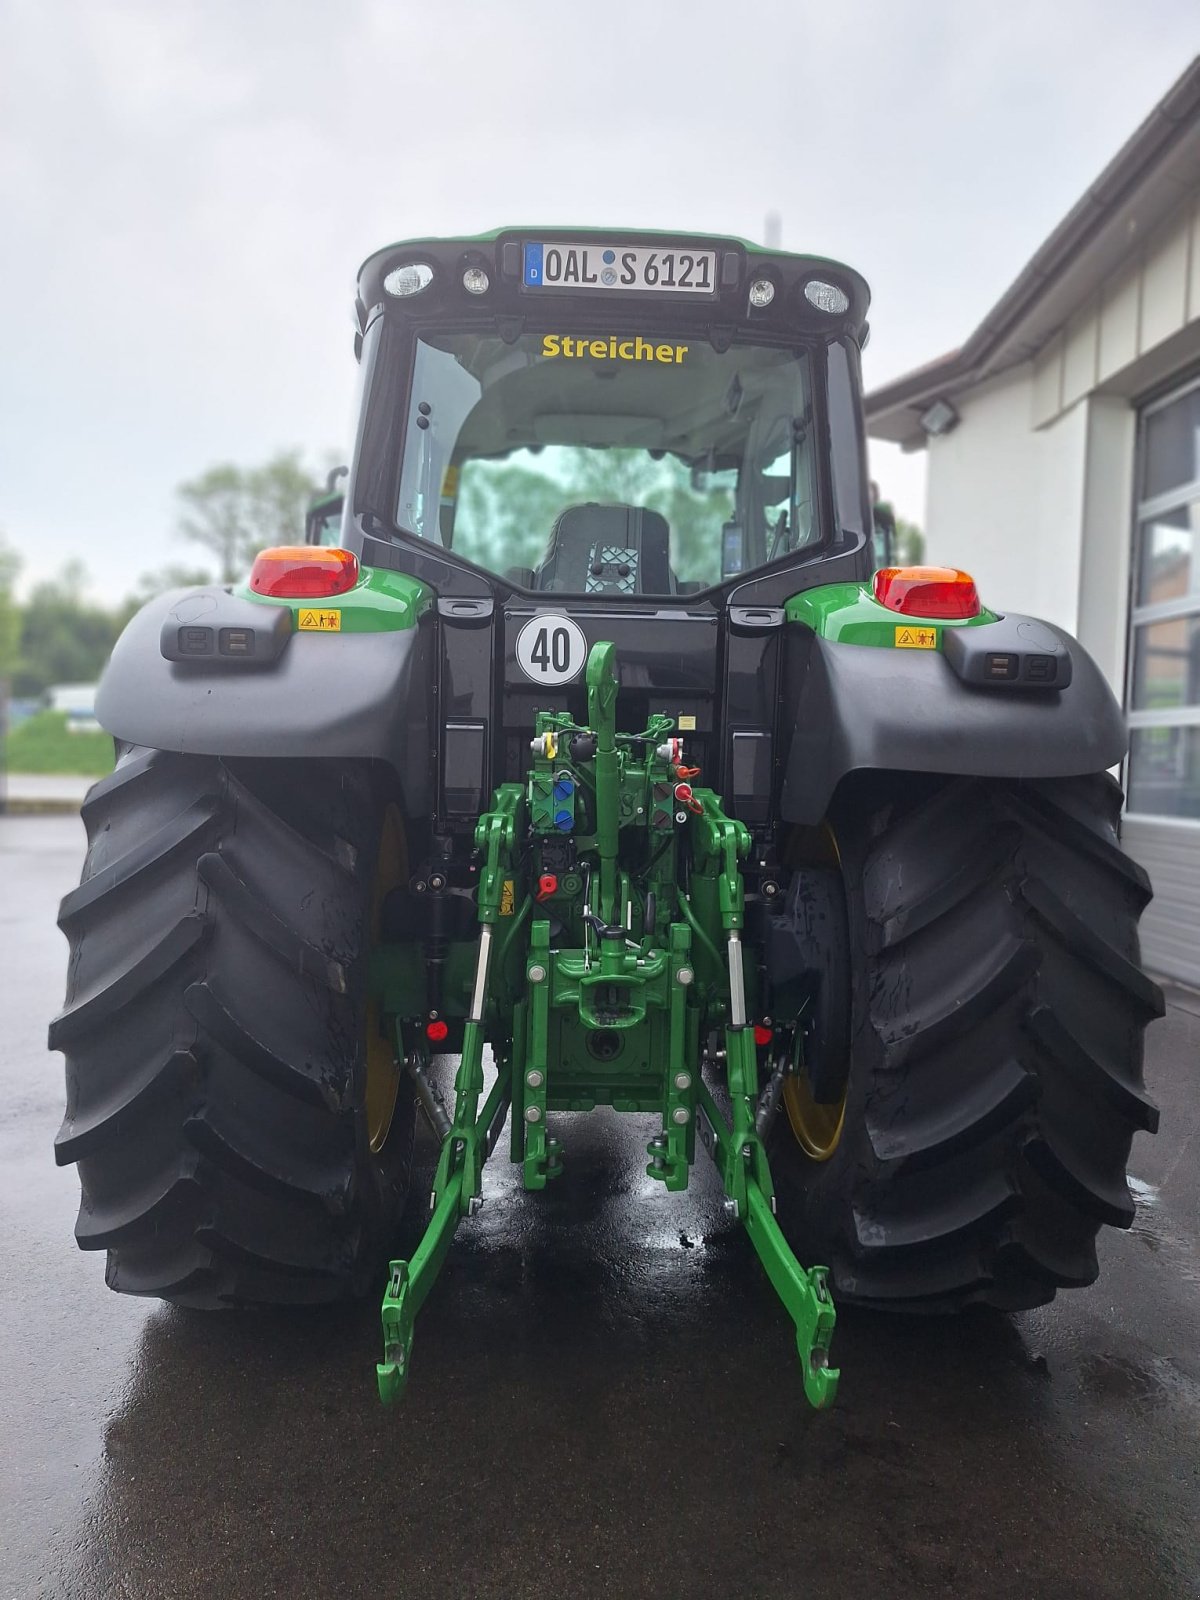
column 996, row 1072
column 213, row 1032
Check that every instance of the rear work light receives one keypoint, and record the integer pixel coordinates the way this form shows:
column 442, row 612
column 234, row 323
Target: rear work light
column 927, row 592
column 303, row 571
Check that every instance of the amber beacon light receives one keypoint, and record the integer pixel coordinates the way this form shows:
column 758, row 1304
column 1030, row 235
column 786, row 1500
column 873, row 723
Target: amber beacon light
column 944, row 592
column 303, row 572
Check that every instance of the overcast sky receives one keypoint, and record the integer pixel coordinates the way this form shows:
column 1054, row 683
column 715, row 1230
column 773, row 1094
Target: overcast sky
column 187, row 190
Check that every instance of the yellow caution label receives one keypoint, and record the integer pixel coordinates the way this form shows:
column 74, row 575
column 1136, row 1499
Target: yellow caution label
column 508, row 897
column 320, row 621
column 687, row 724
column 916, row 638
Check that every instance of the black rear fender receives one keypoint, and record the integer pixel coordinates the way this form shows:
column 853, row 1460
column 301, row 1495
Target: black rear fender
column 857, row 707
column 364, row 696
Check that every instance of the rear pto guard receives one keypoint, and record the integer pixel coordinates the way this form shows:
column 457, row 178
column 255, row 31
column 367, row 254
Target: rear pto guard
column 598, row 971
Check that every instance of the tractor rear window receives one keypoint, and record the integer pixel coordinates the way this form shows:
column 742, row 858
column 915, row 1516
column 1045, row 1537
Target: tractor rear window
column 614, row 463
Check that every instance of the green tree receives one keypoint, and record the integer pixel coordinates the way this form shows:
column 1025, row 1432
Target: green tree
column 233, row 512
column 910, row 544
column 10, row 617
column 175, row 575
column 278, row 494
column 504, row 514
column 64, row 638
column 215, row 516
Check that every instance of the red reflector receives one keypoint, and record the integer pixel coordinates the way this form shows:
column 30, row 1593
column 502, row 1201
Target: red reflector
column 763, row 1034
column 303, row 571
column 436, row 1031
column 927, row 592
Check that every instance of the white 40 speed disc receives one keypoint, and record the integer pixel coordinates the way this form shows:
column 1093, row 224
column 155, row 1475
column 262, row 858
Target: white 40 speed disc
column 551, row 649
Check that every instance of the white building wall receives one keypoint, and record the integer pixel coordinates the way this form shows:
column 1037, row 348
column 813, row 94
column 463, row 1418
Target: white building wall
column 1032, row 492
column 1006, row 502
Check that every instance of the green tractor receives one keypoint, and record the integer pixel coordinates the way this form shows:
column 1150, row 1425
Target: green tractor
column 595, row 764
column 323, row 519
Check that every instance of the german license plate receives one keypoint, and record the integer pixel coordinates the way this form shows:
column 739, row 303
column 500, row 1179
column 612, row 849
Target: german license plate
column 622, row 270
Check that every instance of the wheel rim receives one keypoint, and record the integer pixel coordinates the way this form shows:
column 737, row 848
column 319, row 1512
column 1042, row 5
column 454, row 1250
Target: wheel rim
column 383, row 1071
column 817, row 1128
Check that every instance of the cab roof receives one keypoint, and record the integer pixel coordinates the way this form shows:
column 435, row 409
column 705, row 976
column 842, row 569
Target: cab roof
column 498, row 252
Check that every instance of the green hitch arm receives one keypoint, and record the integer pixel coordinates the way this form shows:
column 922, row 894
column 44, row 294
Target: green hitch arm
column 469, row 1142
column 602, row 687
column 737, row 1147
column 496, row 839
column 495, row 834
column 804, row 1292
column 409, row 1282
column 805, row 1295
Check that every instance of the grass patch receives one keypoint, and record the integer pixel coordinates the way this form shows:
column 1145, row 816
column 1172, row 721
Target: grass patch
column 43, row 743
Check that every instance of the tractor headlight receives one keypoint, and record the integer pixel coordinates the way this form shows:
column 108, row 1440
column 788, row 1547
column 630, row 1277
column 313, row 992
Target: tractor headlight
column 826, row 297
column 409, row 279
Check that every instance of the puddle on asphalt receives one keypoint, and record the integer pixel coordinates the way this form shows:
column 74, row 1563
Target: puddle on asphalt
column 1152, row 1229
column 1109, row 1377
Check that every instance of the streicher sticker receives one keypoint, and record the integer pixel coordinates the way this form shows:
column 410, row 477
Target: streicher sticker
column 322, row 621
column 916, row 638
column 613, row 348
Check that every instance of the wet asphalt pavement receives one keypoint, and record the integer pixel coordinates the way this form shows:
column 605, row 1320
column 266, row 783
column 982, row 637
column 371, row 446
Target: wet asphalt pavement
column 604, row 1397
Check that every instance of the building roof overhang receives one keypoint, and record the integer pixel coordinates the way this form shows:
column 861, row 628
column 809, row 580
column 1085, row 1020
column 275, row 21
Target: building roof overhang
column 1143, row 184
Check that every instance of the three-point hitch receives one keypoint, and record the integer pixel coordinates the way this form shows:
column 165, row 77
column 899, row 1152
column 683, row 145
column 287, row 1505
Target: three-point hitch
column 609, row 962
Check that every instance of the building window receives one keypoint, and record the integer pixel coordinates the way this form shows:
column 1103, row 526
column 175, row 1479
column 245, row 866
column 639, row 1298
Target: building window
column 1164, row 655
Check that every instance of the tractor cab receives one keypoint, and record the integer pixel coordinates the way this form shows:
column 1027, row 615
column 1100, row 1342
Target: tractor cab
column 629, row 417
column 570, row 435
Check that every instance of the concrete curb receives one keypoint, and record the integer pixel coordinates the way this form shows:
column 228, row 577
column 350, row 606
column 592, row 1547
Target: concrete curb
column 1180, row 995
column 43, row 793
column 31, row 807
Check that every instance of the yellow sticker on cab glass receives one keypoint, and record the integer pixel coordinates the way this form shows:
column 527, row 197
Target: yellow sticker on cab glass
column 508, row 897
column 687, row 724
column 322, row 621
column 614, row 348
column 908, row 638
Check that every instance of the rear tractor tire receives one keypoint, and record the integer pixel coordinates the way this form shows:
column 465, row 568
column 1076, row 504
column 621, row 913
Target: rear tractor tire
column 978, row 1134
column 241, row 1133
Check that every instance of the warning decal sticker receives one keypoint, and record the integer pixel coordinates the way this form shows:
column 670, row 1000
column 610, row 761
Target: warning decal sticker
column 319, row 621
column 916, row 638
